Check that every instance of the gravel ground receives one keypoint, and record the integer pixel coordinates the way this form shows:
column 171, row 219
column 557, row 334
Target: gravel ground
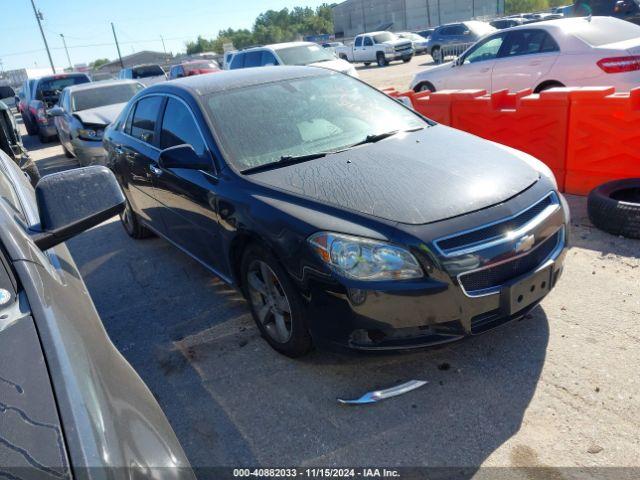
column 557, row 390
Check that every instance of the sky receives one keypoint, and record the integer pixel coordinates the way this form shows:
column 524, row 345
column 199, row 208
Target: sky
column 86, row 26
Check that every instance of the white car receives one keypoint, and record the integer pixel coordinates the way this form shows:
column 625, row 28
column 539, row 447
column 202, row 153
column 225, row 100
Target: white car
column 600, row 51
column 419, row 43
column 291, row 53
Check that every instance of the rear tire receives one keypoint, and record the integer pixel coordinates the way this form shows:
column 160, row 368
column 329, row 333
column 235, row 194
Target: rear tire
column 381, row 60
column 276, row 305
column 615, row 207
column 31, row 128
column 132, row 224
column 366, row 64
column 44, row 139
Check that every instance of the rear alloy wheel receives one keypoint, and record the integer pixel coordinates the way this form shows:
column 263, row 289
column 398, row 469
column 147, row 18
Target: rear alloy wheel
column 132, row 224
column 381, row 60
column 275, row 303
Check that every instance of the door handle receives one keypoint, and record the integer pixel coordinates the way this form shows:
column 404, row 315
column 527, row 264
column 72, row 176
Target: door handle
column 155, row 170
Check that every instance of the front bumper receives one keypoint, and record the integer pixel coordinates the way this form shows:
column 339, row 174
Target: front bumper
column 399, row 55
column 437, row 309
column 88, row 152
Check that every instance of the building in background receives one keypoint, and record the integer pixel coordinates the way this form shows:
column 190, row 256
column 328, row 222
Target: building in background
column 139, row 58
column 352, row 17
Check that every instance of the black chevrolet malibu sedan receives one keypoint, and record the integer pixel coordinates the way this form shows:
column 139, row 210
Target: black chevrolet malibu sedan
column 345, row 217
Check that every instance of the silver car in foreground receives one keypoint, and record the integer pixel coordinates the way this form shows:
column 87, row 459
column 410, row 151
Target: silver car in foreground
column 71, row 406
column 84, row 111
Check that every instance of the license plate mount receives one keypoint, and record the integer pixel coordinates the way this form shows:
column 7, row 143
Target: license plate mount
column 522, row 293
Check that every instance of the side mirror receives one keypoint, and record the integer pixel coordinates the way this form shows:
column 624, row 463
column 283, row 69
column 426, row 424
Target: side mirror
column 7, row 92
column 73, row 201
column 56, row 111
column 182, row 156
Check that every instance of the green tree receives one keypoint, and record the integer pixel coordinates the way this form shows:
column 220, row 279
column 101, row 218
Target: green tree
column 99, row 62
column 522, row 6
column 272, row 26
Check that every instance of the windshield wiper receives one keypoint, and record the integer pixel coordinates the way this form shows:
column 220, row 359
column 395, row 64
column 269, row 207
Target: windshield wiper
column 287, row 160
column 381, row 136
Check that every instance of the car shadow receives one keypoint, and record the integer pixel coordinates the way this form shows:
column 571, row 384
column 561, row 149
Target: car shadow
column 233, row 401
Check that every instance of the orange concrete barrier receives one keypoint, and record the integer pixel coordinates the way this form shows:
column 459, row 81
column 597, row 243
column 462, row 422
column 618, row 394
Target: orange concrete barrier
column 604, row 138
column 536, row 124
column 586, row 135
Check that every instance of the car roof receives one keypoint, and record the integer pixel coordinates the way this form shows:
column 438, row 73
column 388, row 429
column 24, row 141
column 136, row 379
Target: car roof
column 567, row 25
column 206, row 84
column 375, row 33
column 277, row 46
column 61, row 75
column 99, row 84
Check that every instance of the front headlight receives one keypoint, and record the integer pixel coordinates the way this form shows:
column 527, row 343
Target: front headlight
column 90, row 134
column 364, row 259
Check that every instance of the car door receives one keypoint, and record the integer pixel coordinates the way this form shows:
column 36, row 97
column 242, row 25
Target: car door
column 473, row 69
column 524, row 60
column 359, row 50
column 368, row 50
column 63, row 122
column 187, row 195
column 138, row 156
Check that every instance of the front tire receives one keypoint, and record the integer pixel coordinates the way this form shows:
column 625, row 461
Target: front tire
column 132, row 225
column 28, row 124
column 425, row 87
column 381, row 60
column 276, row 305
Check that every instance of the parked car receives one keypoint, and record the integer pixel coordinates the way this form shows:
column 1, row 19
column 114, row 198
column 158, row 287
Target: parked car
column 460, row 33
column 331, row 46
column 145, row 74
column 11, row 141
column 568, row 52
column 72, row 406
column 46, row 91
column 226, row 59
column 502, row 23
column 194, row 67
column 426, row 33
column 418, row 42
column 342, row 225
column 378, row 47
column 628, row 10
column 84, row 111
column 292, row 53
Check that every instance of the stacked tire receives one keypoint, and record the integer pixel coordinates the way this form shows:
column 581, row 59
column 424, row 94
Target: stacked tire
column 615, row 207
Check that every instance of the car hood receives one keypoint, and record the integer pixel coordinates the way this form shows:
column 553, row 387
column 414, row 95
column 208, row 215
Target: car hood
column 100, row 115
column 337, row 65
column 414, row 178
column 398, row 42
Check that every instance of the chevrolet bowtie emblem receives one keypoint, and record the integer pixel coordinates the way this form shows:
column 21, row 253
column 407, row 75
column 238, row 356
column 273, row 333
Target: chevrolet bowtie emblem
column 525, row 243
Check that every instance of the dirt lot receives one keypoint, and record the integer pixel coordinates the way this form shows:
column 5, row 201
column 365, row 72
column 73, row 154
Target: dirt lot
column 555, row 390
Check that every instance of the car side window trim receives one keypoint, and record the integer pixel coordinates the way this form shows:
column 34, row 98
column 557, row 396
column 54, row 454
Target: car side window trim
column 159, row 125
column 507, row 43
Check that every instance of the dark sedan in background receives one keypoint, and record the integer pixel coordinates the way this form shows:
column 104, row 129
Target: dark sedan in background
column 345, row 217
column 70, row 404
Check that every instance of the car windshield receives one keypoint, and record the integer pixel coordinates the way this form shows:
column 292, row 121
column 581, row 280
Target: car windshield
column 384, row 37
column 597, row 33
column 147, row 71
column 305, row 116
column 52, row 86
column 304, row 55
column 99, row 97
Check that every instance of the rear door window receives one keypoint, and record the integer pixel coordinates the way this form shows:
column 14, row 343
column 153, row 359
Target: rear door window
column 527, row 42
column 144, row 119
column 368, row 42
column 253, row 59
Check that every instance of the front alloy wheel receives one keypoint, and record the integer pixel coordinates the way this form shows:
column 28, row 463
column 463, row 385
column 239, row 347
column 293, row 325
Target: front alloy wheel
column 276, row 304
column 269, row 301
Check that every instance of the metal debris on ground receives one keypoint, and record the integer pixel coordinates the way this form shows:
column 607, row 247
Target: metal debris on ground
column 378, row 395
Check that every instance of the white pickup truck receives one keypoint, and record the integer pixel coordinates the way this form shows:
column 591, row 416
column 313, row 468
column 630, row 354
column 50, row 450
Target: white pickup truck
column 379, row 47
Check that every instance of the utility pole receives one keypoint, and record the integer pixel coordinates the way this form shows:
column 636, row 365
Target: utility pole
column 113, row 28
column 163, row 47
column 38, row 15
column 64, row 42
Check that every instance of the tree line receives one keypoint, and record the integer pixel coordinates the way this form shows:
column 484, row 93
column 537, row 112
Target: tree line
column 272, row 26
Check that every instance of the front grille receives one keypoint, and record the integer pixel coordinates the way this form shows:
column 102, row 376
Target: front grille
column 494, row 277
column 496, row 230
column 403, row 48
